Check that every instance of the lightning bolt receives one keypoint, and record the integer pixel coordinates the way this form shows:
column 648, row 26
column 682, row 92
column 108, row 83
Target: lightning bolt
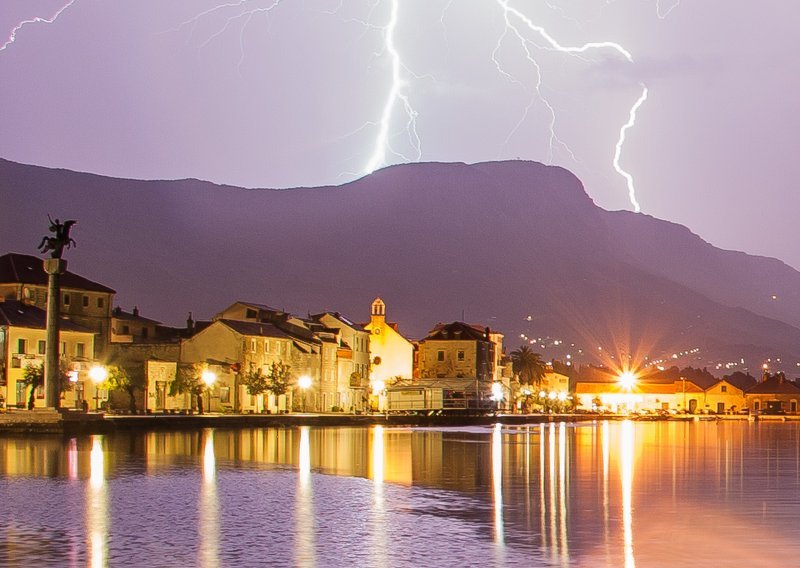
column 517, row 25
column 12, row 37
column 618, row 149
column 395, row 95
column 663, row 16
column 551, row 44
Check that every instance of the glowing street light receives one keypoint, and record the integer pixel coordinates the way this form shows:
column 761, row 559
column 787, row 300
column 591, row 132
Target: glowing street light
column 304, row 382
column 208, row 377
column 627, row 380
column 98, row 374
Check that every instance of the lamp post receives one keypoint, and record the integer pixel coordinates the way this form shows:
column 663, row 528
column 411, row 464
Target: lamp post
column 208, row 377
column 304, row 382
column 98, row 374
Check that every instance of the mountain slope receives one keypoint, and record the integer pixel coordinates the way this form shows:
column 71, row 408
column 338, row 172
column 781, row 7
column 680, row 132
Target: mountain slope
column 496, row 242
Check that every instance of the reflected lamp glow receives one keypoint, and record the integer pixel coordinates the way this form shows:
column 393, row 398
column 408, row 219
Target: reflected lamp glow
column 208, row 377
column 627, row 380
column 378, row 386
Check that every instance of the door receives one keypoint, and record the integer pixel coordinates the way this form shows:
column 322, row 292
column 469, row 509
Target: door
column 720, row 408
column 693, row 406
column 161, row 394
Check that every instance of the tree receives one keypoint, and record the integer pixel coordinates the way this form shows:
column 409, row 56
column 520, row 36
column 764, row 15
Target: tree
column 33, row 376
column 188, row 380
column 255, row 381
column 528, row 365
column 278, row 378
column 129, row 379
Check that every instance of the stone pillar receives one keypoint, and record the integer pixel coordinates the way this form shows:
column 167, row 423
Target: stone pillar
column 54, row 268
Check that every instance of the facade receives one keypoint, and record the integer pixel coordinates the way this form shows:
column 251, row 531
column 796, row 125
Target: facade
column 86, row 303
column 724, row 397
column 457, row 350
column 353, row 360
column 130, row 327
column 775, row 394
column 391, row 354
column 251, row 345
column 652, row 396
column 23, row 335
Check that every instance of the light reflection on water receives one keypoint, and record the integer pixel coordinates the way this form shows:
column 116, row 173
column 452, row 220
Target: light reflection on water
column 603, row 494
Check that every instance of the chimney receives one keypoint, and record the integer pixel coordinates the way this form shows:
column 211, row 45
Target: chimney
column 190, row 323
column 136, row 311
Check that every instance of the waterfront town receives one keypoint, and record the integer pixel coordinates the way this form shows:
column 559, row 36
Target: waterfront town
column 251, row 358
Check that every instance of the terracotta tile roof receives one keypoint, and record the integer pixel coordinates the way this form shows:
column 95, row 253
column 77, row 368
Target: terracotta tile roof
column 775, row 385
column 26, row 269
column 16, row 314
column 258, row 329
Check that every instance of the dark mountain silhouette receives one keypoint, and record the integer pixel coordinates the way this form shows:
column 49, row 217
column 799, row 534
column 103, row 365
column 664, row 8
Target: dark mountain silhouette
column 491, row 243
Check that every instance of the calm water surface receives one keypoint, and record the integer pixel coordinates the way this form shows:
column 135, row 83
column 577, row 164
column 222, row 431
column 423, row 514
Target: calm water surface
column 602, row 494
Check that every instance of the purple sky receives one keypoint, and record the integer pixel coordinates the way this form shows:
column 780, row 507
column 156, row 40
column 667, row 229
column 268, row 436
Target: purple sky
column 262, row 93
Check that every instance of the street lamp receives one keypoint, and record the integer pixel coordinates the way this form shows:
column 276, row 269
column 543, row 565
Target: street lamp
column 497, row 394
column 98, row 374
column 627, row 380
column 304, row 382
column 208, row 377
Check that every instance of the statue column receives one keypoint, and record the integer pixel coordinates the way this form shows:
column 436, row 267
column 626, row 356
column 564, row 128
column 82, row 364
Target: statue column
column 54, row 267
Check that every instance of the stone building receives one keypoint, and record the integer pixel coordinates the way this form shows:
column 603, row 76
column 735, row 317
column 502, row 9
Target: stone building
column 86, row 303
column 23, row 335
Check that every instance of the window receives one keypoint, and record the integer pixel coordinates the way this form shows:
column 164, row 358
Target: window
column 723, row 388
column 145, row 333
column 250, row 313
column 66, row 299
column 126, row 330
column 41, row 347
column 266, row 346
column 440, row 355
column 80, row 349
column 86, row 301
column 224, row 395
column 22, row 346
column 63, row 349
column 101, row 302
column 253, row 345
column 460, row 354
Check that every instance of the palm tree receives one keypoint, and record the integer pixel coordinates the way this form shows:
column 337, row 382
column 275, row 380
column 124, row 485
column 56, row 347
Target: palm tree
column 528, row 365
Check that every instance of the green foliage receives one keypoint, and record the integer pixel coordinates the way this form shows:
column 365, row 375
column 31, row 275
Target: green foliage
column 187, row 380
column 528, row 365
column 33, row 376
column 278, row 378
column 130, row 379
column 255, row 381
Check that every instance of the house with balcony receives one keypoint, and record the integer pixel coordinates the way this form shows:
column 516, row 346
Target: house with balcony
column 23, row 340
column 352, row 358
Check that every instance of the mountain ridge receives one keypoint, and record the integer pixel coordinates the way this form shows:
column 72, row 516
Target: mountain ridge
column 496, row 241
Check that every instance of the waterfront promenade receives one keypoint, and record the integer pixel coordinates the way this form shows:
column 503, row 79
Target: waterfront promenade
column 43, row 421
